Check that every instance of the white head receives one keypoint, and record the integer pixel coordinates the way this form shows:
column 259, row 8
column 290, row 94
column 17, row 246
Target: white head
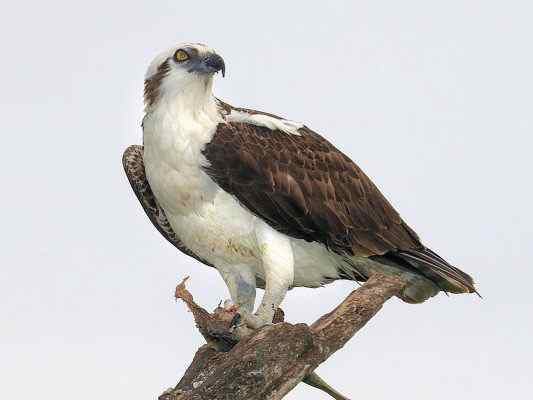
column 185, row 71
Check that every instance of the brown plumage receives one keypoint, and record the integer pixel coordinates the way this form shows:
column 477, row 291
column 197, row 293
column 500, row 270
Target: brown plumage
column 306, row 188
column 152, row 85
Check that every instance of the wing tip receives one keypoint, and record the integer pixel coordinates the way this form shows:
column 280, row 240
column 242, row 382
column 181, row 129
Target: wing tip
column 429, row 263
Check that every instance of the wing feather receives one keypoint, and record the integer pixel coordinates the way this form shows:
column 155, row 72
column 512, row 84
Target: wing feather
column 305, row 187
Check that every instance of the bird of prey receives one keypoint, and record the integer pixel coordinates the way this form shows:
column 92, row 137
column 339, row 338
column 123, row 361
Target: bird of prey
column 265, row 200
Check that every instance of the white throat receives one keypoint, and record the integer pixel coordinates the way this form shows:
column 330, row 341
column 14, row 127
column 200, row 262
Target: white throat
column 192, row 97
column 176, row 129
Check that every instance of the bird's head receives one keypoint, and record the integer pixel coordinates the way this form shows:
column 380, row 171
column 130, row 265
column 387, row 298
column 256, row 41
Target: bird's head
column 185, row 69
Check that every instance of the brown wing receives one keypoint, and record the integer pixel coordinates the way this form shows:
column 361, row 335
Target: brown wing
column 133, row 163
column 306, row 188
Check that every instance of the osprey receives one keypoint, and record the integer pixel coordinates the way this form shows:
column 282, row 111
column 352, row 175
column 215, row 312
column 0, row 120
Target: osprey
column 265, row 200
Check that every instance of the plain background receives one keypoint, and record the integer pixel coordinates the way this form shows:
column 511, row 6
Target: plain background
column 432, row 99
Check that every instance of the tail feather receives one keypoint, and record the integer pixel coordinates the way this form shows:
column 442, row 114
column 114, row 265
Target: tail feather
column 435, row 268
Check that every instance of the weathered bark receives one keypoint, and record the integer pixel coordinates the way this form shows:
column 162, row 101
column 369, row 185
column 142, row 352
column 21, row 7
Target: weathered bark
column 269, row 363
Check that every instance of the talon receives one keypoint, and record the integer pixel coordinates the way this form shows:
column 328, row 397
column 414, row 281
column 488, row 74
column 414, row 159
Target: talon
column 235, row 321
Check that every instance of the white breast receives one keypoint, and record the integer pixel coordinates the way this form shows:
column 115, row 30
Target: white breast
column 173, row 143
column 208, row 220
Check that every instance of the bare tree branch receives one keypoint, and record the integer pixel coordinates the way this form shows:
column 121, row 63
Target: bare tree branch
column 269, row 363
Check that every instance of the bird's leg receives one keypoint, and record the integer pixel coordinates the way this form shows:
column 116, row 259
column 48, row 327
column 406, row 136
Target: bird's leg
column 240, row 280
column 278, row 265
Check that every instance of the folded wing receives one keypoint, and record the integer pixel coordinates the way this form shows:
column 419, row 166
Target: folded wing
column 303, row 186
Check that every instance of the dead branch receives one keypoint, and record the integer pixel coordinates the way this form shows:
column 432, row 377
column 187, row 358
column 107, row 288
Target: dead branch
column 269, row 363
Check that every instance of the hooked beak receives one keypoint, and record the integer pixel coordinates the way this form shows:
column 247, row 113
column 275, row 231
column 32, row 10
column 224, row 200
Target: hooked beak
column 213, row 63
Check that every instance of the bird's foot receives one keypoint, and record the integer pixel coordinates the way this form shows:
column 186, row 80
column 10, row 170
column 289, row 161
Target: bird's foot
column 249, row 321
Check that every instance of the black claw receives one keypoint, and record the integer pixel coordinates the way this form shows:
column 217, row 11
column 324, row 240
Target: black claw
column 235, row 320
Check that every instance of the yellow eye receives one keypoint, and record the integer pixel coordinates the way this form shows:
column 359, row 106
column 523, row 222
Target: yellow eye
column 181, row 55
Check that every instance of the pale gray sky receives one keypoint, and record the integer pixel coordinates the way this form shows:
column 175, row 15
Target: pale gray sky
column 432, row 99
